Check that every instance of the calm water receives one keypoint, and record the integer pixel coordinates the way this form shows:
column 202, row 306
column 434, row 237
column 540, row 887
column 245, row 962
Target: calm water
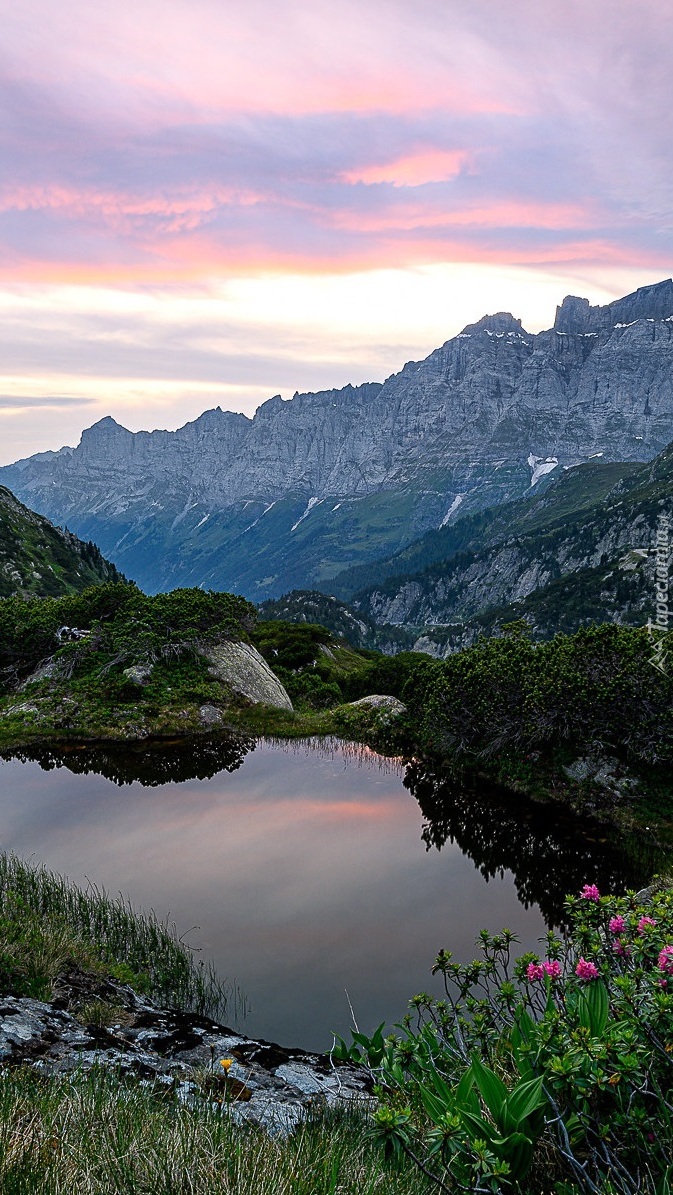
column 307, row 873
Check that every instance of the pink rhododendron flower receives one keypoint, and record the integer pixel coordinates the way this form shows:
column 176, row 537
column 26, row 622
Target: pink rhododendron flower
column 553, row 968
column 534, row 971
column 643, row 924
column 590, row 892
column 665, row 960
column 617, row 925
column 621, row 949
column 586, row 970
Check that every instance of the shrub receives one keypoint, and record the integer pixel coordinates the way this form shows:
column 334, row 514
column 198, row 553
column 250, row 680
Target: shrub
column 509, row 694
column 551, row 1073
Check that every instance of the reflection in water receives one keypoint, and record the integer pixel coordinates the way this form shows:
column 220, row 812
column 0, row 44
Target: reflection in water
column 149, row 764
column 549, row 851
column 303, row 866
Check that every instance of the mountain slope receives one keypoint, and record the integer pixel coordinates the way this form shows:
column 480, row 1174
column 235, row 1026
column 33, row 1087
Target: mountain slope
column 581, row 552
column 311, row 486
column 37, row 559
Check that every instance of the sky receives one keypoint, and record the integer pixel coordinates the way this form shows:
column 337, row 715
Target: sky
column 208, row 202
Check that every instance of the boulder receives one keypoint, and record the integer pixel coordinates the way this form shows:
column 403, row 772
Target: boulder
column 245, row 671
column 138, row 674
column 210, row 716
column 381, row 701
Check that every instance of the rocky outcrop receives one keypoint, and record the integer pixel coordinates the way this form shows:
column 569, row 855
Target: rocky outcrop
column 291, row 497
column 563, row 560
column 264, row 1084
column 241, row 667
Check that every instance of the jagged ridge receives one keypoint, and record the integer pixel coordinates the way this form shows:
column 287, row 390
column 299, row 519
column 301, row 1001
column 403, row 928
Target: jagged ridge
column 311, row 486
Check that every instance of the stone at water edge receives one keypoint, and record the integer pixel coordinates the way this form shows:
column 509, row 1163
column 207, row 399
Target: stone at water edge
column 271, row 1086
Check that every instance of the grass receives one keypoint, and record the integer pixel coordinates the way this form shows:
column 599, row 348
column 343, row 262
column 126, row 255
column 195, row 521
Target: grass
column 48, row 926
column 93, row 1134
column 97, row 1133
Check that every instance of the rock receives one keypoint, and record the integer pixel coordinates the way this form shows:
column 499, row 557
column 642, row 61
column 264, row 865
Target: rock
column 138, row 674
column 381, row 701
column 210, row 716
column 605, row 772
column 266, row 1084
column 47, row 670
column 245, row 671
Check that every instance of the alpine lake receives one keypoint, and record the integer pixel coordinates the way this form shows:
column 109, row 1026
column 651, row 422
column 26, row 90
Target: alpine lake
column 320, row 878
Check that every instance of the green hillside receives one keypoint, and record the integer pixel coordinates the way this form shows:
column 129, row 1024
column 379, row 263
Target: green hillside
column 39, row 560
column 578, row 553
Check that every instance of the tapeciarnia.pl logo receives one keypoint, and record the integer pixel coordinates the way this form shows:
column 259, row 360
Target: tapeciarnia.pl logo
column 657, row 630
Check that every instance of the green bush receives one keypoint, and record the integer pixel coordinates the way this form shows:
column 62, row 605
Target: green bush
column 125, row 625
column 509, row 694
column 541, row 1074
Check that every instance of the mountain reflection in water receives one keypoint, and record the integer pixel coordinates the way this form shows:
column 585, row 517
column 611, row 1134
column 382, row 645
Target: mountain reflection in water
column 548, row 849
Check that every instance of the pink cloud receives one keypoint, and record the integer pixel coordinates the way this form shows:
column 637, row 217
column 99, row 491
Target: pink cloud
column 424, row 166
column 171, row 140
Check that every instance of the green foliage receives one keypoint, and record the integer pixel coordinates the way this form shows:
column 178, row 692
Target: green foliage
column 291, row 645
column 312, row 606
column 385, row 674
column 319, row 671
column 37, row 559
column 509, row 694
column 124, row 625
column 541, row 1074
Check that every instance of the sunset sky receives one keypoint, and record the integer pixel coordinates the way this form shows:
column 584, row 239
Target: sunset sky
column 208, row 202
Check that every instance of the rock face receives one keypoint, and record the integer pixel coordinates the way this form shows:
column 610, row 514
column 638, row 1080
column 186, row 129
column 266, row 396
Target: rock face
column 265, row 1084
column 381, row 701
column 308, row 486
column 584, row 551
column 243, row 669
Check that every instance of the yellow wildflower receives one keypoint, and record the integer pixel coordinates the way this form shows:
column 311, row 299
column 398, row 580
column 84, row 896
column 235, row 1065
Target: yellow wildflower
column 226, row 1063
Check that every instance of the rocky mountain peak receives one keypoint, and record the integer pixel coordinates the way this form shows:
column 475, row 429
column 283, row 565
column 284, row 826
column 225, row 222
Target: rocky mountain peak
column 309, row 485
column 104, row 429
column 648, row 302
column 574, row 315
column 501, row 322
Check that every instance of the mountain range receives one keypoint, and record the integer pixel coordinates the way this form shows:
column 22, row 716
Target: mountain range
column 324, row 482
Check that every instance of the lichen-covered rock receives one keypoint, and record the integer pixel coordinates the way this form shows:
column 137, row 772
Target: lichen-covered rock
column 138, row 674
column 245, row 671
column 264, row 1084
column 210, row 716
column 381, row 701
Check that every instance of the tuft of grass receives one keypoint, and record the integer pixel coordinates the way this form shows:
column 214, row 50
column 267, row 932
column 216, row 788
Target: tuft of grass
column 48, row 925
column 95, row 1134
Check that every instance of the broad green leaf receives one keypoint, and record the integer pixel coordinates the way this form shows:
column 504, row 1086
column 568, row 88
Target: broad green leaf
column 464, row 1088
column 442, row 1088
column 433, row 1105
column 491, row 1088
column 477, row 1125
column 524, row 1099
column 598, row 1003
